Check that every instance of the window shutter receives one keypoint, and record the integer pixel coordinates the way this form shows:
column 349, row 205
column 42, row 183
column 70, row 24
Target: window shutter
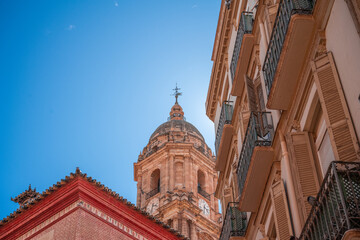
column 260, row 97
column 271, row 11
column 252, row 100
column 245, row 116
column 334, row 105
column 281, row 210
column 250, row 88
column 304, row 169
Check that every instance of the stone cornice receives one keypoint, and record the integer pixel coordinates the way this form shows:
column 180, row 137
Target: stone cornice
column 184, row 204
column 219, row 56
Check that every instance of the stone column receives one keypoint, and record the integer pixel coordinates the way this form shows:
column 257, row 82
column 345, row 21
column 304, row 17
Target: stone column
column 195, row 180
column 191, row 177
column 144, row 186
column 211, row 190
column 162, row 168
column 172, row 175
column 146, row 181
column 180, row 225
column 175, row 224
column 207, row 182
column 166, row 176
column 193, row 231
column 216, row 205
column 186, row 173
column 184, row 227
column 139, row 188
column 168, row 163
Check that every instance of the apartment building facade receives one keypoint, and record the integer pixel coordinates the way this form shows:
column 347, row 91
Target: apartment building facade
column 284, row 96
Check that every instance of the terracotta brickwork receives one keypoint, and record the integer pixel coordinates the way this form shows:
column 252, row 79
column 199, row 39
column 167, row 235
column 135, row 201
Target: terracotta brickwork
column 81, row 224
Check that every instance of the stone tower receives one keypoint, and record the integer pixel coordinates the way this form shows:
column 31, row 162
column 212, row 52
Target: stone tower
column 176, row 179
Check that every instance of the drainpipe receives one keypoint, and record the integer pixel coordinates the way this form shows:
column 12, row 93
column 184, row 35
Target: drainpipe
column 290, row 187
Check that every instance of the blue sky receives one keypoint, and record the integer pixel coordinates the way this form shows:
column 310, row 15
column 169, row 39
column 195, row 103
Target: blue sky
column 85, row 83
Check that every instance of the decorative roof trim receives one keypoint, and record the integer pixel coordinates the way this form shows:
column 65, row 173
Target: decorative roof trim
column 97, row 184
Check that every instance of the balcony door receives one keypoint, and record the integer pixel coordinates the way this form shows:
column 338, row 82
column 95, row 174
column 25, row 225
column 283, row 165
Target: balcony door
column 257, row 105
column 322, row 140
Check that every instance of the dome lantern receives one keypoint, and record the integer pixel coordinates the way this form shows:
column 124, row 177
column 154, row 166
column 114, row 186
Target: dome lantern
column 176, row 112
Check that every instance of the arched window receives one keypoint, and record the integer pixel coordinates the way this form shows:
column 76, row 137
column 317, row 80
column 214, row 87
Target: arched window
column 202, row 186
column 170, row 222
column 201, row 180
column 155, row 180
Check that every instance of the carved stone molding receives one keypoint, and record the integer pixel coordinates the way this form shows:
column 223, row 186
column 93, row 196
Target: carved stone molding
column 296, row 125
column 262, row 229
column 277, row 177
column 321, row 49
column 268, row 2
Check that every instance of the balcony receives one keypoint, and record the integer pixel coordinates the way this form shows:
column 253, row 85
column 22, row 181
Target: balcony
column 292, row 33
column 152, row 193
column 223, row 135
column 235, row 223
column 337, row 205
column 242, row 50
column 203, row 193
column 255, row 160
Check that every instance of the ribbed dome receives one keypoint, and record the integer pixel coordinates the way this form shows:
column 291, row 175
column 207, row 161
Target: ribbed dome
column 174, row 126
column 177, row 123
column 175, row 130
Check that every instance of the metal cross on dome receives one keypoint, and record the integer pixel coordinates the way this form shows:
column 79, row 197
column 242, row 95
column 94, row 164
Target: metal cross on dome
column 176, row 93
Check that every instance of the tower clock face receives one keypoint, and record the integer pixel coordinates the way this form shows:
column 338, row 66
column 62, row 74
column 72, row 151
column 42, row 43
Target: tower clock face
column 152, row 206
column 204, row 207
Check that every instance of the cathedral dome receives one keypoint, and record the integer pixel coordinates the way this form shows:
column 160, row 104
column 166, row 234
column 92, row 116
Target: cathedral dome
column 176, row 123
column 175, row 130
column 174, row 126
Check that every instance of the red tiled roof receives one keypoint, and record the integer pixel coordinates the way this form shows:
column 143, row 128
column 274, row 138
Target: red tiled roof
column 96, row 183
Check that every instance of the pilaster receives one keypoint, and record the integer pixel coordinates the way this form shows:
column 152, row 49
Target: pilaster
column 172, row 174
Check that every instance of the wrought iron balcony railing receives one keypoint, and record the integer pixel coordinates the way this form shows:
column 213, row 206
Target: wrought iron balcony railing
column 235, row 222
column 225, row 118
column 260, row 132
column 245, row 26
column 337, row 205
column 152, row 192
column 203, row 193
column 287, row 8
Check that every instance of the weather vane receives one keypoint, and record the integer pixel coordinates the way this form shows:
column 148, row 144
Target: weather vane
column 176, row 93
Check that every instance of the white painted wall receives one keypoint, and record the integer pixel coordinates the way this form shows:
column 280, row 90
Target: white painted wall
column 343, row 40
column 217, row 116
column 232, row 44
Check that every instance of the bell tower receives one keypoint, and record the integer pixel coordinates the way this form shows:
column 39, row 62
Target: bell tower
column 176, row 179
